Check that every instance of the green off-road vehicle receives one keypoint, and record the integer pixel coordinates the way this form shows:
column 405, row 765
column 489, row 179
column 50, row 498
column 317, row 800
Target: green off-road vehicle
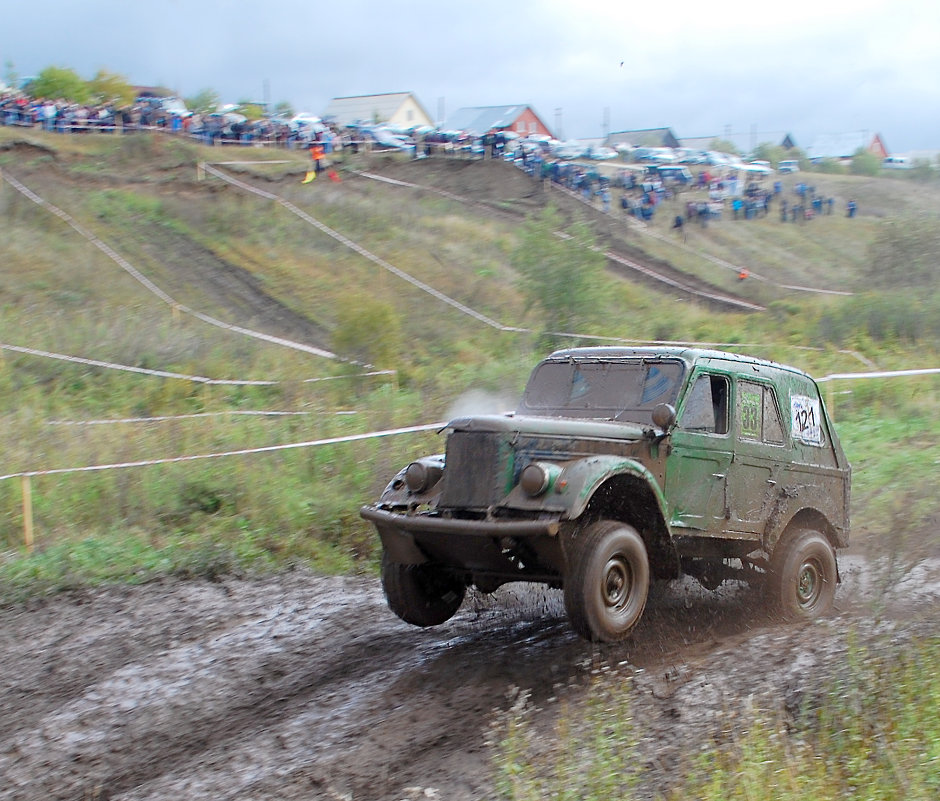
column 623, row 465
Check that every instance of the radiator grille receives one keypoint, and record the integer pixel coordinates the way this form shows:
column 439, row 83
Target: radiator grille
column 476, row 471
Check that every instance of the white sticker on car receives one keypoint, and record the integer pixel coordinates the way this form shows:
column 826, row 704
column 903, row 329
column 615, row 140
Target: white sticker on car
column 805, row 421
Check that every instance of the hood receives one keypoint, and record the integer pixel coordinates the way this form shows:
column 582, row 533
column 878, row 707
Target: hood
column 552, row 426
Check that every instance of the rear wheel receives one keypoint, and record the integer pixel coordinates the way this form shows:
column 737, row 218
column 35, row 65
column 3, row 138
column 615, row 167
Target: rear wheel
column 421, row 594
column 607, row 581
column 803, row 575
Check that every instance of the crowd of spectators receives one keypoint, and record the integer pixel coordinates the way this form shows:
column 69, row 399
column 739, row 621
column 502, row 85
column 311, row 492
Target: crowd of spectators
column 641, row 192
column 19, row 109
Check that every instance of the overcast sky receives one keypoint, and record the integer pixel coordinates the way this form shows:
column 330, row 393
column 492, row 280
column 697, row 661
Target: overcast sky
column 759, row 69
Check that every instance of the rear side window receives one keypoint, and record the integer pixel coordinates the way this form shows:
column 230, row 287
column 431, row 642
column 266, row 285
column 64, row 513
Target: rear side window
column 758, row 415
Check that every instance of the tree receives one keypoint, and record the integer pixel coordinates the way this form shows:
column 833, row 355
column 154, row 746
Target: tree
column 864, row 162
column 10, row 76
column 723, row 146
column 560, row 275
column 777, row 153
column 768, row 152
column 205, row 101
column 251, row 109
column 109, row 87
column 60, row 83
column 284, row 109
column 831, row 166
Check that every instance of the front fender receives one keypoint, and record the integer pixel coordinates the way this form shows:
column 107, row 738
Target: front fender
column 581, row 479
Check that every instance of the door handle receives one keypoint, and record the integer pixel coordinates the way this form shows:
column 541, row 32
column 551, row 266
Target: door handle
column 718, row 475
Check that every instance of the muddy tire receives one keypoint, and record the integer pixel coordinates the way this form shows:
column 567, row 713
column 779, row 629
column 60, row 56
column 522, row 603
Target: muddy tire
column 803, row 576
column 607, row 582
column 420, row 594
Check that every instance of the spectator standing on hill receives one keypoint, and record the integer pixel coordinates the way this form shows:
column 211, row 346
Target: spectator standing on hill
column 678, row 227
column 851, row 208
column 316, row 155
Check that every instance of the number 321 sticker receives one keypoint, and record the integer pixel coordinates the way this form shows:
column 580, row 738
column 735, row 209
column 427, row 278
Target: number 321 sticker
column 805, row 420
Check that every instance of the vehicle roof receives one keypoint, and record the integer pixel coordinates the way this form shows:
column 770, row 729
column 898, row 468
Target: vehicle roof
column 687, row 354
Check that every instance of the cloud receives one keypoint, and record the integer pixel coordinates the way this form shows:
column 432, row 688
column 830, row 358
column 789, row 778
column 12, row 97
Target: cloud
column 806, row 67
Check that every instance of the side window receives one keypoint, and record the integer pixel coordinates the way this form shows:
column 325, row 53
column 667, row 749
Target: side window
column 757, row 413
column 706, row 409
column 773, row 425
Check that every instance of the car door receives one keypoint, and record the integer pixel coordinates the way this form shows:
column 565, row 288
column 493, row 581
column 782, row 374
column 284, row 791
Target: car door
column 700, row 454
column 760, row 451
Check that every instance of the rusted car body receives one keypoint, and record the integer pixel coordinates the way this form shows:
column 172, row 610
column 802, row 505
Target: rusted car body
column 620, row 466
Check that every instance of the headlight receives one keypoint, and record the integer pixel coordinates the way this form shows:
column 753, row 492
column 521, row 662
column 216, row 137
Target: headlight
column 537, row 477
column 420, row 476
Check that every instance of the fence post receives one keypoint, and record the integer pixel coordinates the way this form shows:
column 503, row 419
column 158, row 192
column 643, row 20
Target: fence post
column 27, row 513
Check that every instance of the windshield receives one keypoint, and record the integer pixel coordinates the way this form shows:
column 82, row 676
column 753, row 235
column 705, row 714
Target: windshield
column 608, row 390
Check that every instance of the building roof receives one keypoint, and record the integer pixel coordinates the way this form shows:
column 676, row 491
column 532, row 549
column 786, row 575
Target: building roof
column 840, row 146
column 645, row 137
column 480, row 119
column 368, row 108
column 744, row 143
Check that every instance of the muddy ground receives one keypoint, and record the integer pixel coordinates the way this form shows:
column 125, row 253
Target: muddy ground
column 299, row 686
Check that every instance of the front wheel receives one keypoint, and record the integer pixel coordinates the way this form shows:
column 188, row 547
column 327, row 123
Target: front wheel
column 420, row 594
column 803, row 576
column 607, row 581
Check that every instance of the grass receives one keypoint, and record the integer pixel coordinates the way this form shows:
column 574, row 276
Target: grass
column 873, row 735
column 869, row 733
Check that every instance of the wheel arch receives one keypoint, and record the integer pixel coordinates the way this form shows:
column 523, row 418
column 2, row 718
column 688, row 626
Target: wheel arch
column 630, row 497
column 806, row 519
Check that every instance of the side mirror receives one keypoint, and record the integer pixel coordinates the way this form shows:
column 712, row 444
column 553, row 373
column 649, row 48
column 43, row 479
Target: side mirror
column 664, row 416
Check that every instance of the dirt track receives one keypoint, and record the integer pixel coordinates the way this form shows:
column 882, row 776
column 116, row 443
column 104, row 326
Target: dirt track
column 299, row 687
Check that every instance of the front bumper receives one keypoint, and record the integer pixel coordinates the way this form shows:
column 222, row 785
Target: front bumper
column 512, row 549
column 432, row 524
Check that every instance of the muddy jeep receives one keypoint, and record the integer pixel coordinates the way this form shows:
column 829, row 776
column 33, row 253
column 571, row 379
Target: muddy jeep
column 620, row 466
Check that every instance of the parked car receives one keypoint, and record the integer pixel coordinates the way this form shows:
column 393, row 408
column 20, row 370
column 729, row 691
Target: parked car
column 621, row 466
column 788, row 166
column 897, row 163
column 676, row 173
column 385, row 138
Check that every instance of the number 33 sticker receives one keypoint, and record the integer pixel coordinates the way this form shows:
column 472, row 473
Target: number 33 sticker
column 805, row 420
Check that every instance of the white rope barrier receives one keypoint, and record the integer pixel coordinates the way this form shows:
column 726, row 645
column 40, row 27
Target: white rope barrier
column 882, row 374
column 195, row 416
column 153, row 288
column 182, row 376
column 221, row 454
